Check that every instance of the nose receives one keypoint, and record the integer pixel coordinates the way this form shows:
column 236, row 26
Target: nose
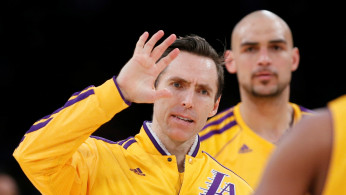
column 187, row 100
column 264, row 58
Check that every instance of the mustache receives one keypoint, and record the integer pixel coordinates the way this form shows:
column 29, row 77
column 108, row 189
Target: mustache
column 264, row 70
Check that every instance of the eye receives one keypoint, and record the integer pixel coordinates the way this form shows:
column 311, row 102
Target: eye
column 176, row 84
column 249, row 49
column 279, row 46
column 276, row 47
column 204, row 92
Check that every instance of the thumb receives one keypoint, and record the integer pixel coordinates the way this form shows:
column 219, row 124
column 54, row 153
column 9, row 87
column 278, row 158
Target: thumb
column 163, row 93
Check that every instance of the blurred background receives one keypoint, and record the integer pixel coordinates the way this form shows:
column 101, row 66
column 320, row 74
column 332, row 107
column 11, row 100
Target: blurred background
column 51, row 49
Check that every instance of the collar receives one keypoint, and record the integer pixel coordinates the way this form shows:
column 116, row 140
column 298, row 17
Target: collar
column 152, row 144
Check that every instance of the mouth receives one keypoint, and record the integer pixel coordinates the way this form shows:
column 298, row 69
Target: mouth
column 185, row 119
column 264, row 75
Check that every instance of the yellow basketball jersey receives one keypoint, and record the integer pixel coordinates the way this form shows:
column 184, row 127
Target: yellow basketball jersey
column 235, row 145
column 59, row 156
column 335, row 182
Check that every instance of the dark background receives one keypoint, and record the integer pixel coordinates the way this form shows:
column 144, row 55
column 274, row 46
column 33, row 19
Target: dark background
column 51, row 49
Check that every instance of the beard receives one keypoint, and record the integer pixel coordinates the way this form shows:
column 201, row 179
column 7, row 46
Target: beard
column 273, row 92
column 265, row 90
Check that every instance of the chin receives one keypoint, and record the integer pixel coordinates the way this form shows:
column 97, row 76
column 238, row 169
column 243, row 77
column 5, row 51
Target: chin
column 180, row 136
column 265, row 93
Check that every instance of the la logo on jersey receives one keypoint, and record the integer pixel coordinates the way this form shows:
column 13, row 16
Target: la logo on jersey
column 216, row 186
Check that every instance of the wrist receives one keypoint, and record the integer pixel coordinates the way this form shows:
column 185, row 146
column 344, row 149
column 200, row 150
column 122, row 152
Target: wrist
column 120, row 86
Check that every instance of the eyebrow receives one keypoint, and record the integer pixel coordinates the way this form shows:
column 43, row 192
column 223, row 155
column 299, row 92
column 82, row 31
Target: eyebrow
column 250, row 43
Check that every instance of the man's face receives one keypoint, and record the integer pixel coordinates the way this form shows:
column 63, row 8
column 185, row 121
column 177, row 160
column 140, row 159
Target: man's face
column 264, row 56
column 192, row 80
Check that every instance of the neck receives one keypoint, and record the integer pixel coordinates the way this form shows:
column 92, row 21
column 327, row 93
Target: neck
column 177, row 148
column 268, row 117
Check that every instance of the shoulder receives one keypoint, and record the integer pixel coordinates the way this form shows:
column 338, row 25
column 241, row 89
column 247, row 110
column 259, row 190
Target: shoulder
column 101, row 148
column 314, row 124
column 97, row 144
column 302, row 110
column 221, row 116
column 311, row 136
column 219, row 123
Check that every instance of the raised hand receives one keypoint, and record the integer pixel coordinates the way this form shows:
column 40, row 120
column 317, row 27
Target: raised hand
column 136, row 79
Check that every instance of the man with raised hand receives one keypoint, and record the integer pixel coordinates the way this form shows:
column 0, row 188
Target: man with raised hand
column 183, row 78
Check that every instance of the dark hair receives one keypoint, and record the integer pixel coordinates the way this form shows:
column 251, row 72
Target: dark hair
column 199, row 46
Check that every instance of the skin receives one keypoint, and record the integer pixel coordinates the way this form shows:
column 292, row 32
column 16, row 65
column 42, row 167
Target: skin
column 263, row 57
column 8, row 185
column 193, row 99
column 300, row 163
column 182, row 101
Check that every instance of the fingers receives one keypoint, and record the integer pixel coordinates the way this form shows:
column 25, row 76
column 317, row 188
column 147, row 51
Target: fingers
column 158, row 51
column 163, row 63
column 140, row 43
column 148, row 47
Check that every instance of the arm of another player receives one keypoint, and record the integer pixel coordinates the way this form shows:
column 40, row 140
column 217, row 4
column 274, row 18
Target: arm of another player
column 300, row 162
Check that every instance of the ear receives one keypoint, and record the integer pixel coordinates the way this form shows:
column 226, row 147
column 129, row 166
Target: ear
column 295, row 59
column 216, row 107
column 229, row 62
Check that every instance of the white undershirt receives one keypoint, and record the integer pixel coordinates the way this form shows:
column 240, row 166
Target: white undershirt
column 192, row 149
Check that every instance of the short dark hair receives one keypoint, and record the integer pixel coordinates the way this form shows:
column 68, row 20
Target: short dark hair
column 199, row 46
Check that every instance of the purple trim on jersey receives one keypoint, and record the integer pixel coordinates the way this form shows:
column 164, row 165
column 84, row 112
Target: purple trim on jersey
column 219, row 120
column 103, row 139
column 303, row 109
column 56, row 111
column 194, row 154
column 158, row 147
column 121, row 142
column 223, row 166
column 74, row 94
column 22, row 139
column 38, row 126
column 218, row 131
column 79, row 98
column 67, row 104
column 129, row 143
column 121, row 94
column 78, row 92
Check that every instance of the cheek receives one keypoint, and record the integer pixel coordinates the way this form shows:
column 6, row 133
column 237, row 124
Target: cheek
column 245, row 68
column 164, row 104
column 204, row 111
column 285, row 72
column 285, row 76
column 247, row 60
column 159, row 107
column 243, row 77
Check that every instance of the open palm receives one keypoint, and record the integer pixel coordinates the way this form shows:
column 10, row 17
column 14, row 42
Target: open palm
column 136, row 79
